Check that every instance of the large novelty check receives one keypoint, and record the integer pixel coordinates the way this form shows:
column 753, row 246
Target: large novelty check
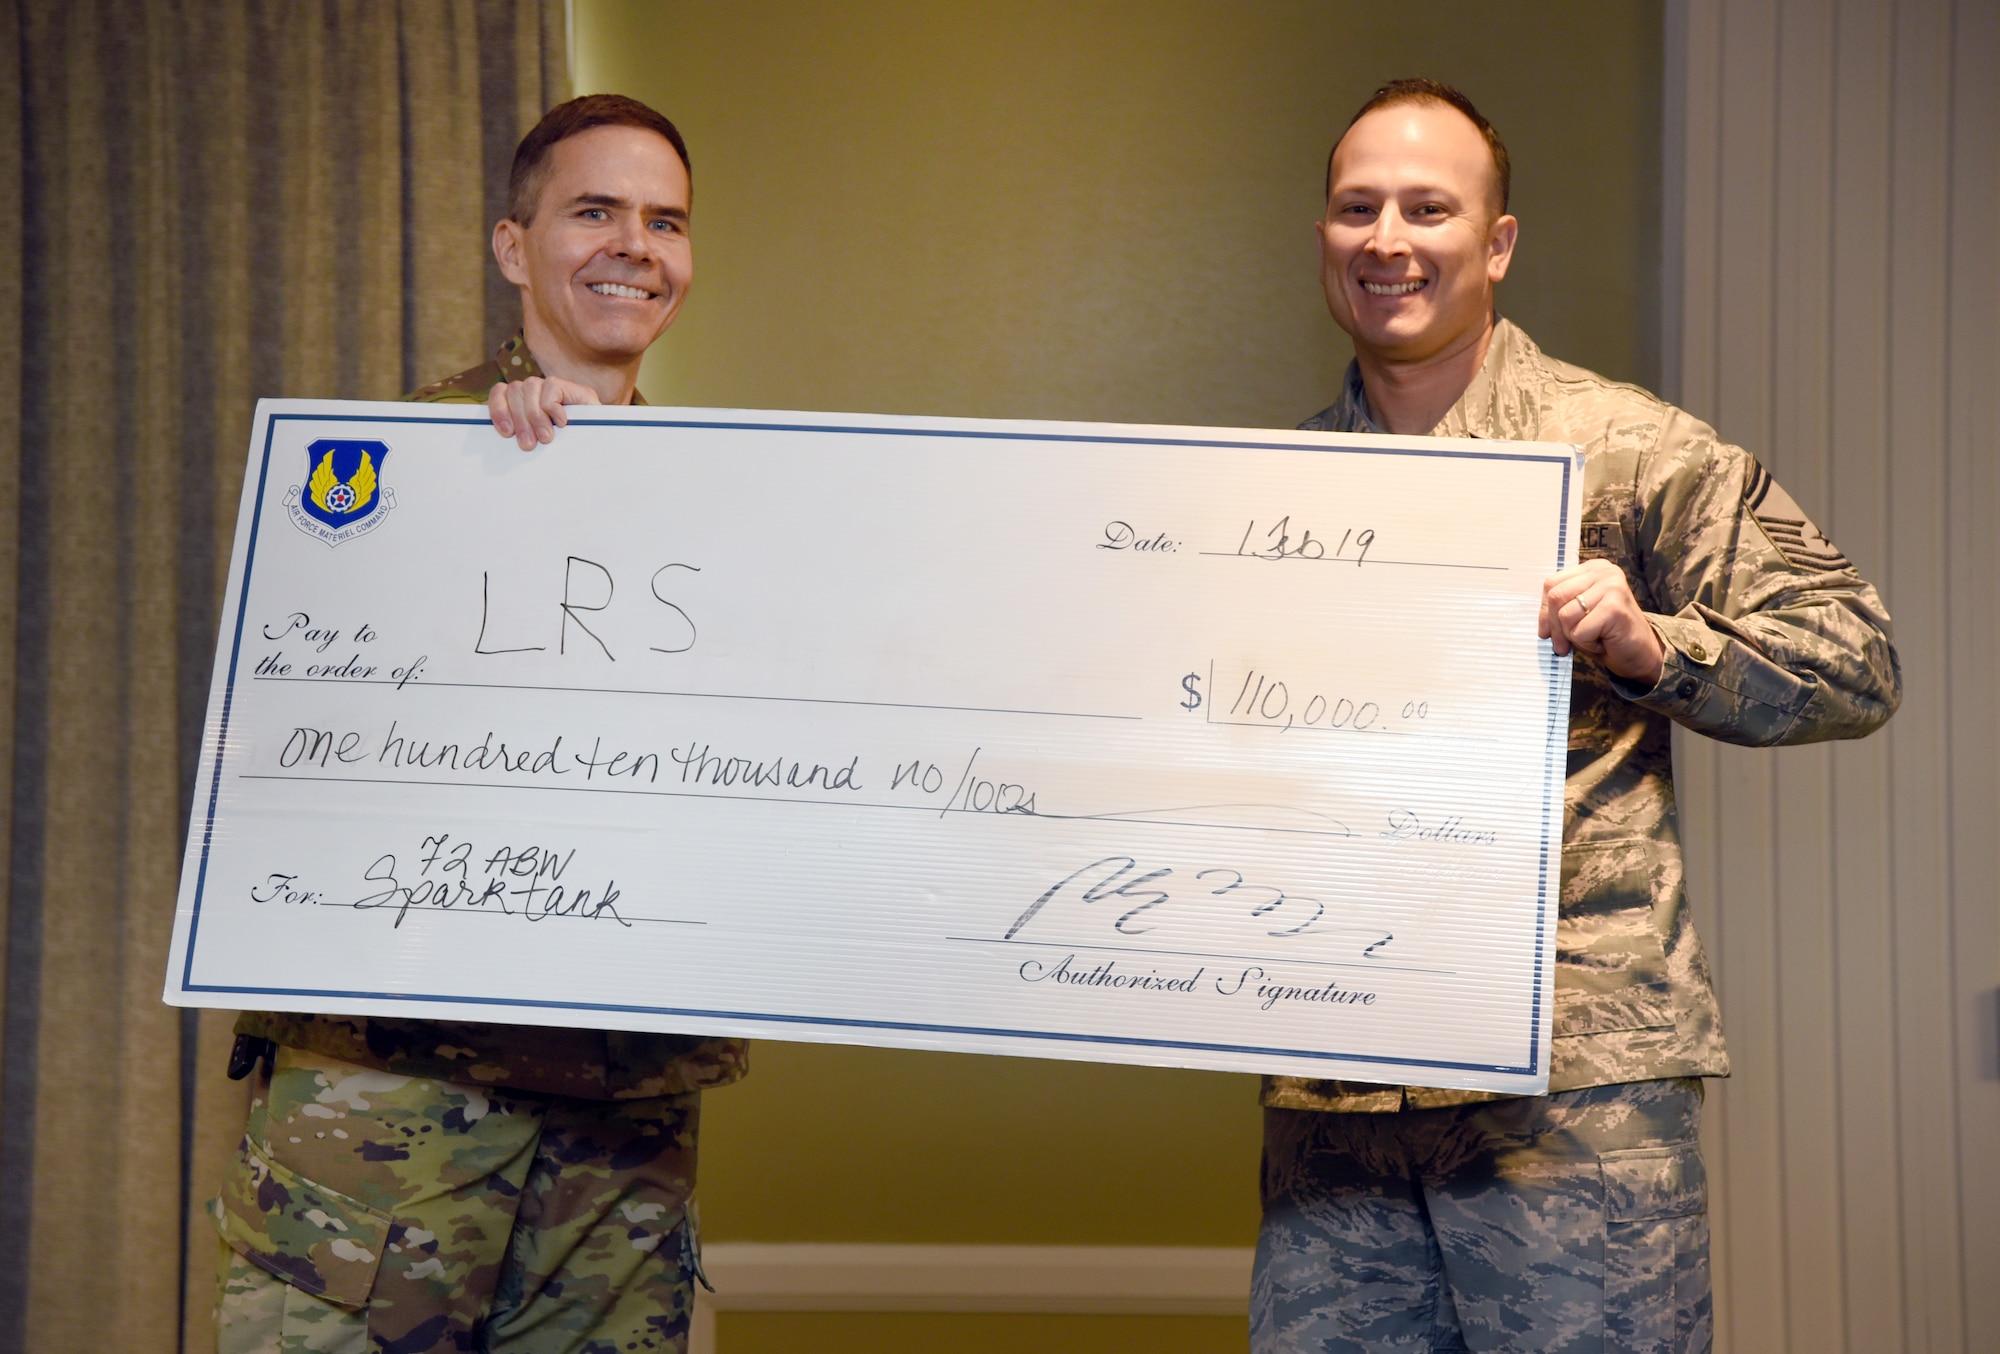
column 1192, row 746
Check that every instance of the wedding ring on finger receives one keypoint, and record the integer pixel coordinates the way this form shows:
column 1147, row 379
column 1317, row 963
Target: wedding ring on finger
column 1583, row 606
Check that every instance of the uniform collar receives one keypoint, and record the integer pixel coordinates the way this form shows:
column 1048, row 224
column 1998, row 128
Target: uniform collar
column 1354, row 396
column 1349, row 413
column 516, row 363
column 1498, row 403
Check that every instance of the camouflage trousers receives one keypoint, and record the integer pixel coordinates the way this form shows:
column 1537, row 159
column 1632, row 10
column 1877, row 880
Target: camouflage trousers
column 371, row 1213
column 1554, row 1224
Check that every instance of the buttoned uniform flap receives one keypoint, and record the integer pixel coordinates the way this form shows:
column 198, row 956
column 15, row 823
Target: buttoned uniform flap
column 316, row 1239
column 1644, row 1183
column 1611, row 964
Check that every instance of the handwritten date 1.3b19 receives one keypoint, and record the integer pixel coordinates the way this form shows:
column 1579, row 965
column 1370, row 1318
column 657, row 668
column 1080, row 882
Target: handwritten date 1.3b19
column 1283, row 540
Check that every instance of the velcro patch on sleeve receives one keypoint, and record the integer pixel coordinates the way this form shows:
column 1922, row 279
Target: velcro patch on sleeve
column 1802, row 544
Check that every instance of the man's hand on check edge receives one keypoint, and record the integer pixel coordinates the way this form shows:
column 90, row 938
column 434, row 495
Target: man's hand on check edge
column 1590, row 608
column 530, row 411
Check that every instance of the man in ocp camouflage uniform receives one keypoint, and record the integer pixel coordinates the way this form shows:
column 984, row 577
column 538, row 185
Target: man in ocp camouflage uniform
column 1406, row 1218
column 407, row 1186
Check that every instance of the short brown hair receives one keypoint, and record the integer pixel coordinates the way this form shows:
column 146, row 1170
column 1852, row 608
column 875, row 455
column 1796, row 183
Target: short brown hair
column 531, row 158
column 1432, row 91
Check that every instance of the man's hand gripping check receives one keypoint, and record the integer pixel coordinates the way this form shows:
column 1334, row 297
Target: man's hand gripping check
column 1590, row 608
column 530, row 411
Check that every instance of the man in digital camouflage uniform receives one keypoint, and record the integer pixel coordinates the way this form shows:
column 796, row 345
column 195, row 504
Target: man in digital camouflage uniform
column 1404, row 1218
column 407, row 1186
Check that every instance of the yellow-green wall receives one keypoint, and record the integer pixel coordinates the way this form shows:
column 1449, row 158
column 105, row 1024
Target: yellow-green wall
column 1072, row 210
column 946, row 1333
column 1067, row 209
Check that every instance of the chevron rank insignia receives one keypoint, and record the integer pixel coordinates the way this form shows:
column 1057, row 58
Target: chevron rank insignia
column 1790, row 530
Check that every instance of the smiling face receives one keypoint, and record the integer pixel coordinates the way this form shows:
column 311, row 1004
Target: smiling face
column 604, row 263
column 1413, row 239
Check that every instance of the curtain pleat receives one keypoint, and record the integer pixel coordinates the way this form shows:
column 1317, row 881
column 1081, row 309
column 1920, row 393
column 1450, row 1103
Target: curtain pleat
column 205, row 202
column 441, row 130
column 11, row 188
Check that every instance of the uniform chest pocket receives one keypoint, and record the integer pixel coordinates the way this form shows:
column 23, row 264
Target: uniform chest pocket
column 1611, row 968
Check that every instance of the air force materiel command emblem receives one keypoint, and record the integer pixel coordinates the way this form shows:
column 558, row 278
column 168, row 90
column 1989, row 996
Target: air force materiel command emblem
column 343, row 496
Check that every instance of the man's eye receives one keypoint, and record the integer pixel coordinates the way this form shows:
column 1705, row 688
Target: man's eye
column 666, row 226
column 595, row 214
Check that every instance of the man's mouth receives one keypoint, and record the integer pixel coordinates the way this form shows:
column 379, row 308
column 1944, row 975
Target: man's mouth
column 1395, row 288
column 620, row 289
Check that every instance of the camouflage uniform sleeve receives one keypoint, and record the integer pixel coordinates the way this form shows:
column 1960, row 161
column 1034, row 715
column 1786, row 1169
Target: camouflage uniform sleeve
column 1771, row 635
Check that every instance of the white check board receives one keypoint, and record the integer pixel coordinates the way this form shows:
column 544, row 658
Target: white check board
column 1202, row 747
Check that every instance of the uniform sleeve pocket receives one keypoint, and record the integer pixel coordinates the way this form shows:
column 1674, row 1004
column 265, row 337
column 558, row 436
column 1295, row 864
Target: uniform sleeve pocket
column 313, row 1238
column 1611, row 967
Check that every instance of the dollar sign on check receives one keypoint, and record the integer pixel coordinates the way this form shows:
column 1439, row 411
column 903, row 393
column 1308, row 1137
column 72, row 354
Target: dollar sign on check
column 1192, row 685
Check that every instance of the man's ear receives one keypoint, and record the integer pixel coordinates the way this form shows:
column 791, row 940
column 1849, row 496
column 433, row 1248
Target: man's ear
column 510, row 250
column 1500, row 237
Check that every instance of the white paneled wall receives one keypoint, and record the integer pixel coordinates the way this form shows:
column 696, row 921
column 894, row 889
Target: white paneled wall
column 1833, row 297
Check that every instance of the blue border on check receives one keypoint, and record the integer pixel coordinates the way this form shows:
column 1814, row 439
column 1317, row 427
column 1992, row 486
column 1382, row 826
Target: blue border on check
column 1553, row 772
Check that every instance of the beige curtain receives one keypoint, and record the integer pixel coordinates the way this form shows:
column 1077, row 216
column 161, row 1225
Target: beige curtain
column 201, row 203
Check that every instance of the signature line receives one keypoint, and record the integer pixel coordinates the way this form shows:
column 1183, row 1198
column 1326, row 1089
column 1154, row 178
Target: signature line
column 1205, row 954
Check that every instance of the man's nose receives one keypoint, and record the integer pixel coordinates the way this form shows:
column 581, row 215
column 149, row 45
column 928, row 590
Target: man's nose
column 632, row 241
column 1390, row 237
